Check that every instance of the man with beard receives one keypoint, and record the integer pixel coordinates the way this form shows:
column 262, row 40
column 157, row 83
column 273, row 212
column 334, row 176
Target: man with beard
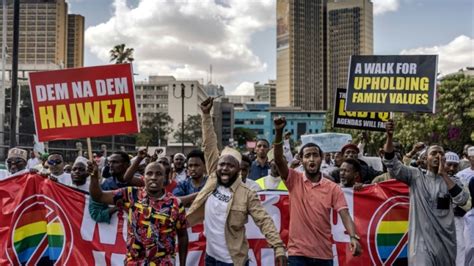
column 79, row 174
column 225, row 203
column 431, row 233
column 260, row 165
column 273, row 180
column 155, row 218
column 311, row 197
column 179, row 168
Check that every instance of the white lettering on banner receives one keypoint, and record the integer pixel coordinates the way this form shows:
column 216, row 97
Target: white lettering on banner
column 107, row 232
column 337, row 228
column 82, row 89
column 111, row 86
column 99, row 257
column 51, row 92
column 252, row 230
column 192, row 237
column 268, row 256
column 115, row 259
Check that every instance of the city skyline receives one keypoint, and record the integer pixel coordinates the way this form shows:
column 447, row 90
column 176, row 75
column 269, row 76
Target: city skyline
column 238, row 37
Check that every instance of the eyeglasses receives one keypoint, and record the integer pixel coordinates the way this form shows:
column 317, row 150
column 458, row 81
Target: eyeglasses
column 14, row 161
column 54, row 162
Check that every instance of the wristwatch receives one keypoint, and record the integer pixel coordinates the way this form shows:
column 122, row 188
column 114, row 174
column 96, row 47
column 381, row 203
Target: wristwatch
column 356, row 237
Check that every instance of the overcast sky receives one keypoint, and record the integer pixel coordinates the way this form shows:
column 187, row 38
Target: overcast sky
column 183, row 37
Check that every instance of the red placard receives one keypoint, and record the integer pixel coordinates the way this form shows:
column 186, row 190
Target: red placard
column 84, row 102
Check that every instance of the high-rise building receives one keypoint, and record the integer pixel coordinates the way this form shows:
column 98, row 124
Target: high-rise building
column 266, row 92
column 43, row 32
column 305, row 42
column 75, row 40
column 350, row 32
column 301, row 61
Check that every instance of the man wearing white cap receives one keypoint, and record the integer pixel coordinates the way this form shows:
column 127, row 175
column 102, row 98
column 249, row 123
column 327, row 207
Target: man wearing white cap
column 224, row 204
column 179, row 167
column 451, row 165
column 431, row 233
column 79, row 175
column 466, row 174
column 16, row 163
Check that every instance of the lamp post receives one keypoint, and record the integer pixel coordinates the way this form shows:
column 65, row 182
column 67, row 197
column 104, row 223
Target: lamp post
column 182, row 96
column 14, row 88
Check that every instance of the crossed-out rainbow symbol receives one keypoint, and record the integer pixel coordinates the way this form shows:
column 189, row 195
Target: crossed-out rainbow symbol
column 388, row 232
column 41, row 234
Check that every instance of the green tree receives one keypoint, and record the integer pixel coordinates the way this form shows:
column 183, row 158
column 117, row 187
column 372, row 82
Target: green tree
column 242, row 135
column 192, row 130
column 452, row 125
column 120, row 54
column 155, row 129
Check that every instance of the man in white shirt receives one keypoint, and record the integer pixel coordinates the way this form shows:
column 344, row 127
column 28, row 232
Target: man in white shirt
column 467, row 174
column 469, row 231
column 33, row 161
column 56, row 166
column 80, row 177
column 179, row 167
column 224, row 204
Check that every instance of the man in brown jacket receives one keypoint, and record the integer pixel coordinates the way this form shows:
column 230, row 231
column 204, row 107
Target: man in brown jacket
column 224, row 204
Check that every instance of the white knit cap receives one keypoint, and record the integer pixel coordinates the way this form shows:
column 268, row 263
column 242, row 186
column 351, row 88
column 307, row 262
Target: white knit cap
column 451, row 157
column 17, row 153
column 81, row 159
column 232, row 152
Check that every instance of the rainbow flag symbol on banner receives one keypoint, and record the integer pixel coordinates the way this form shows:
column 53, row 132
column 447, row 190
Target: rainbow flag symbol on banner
column 38, row 235
column 388, row 237
column 37, row 238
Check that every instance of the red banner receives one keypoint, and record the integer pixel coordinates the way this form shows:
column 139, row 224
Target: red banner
column 46, row 222
column 84, row 102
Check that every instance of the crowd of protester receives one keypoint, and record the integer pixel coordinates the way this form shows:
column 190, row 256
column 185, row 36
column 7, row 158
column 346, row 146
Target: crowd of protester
column 219, row 188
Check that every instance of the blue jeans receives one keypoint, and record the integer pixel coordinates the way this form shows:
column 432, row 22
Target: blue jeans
column 306, row 261
column 210, row 261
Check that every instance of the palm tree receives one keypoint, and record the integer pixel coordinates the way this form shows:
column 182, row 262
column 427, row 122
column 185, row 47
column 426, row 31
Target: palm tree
column 120, row 54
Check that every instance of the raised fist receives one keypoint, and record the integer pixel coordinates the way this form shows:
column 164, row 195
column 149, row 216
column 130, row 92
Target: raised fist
column 390, row 127
column 206, row 106
column 280, row 123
